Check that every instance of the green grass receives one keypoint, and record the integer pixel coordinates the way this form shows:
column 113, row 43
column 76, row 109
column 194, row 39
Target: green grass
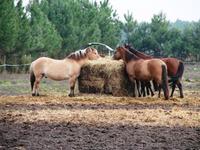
column 21, row 85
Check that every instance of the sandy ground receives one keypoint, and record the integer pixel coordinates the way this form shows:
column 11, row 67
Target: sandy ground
column 99, row 122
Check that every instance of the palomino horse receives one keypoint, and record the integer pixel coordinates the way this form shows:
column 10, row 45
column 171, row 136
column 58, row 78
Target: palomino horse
column 175, row 68
column 65, row 69
column 144, row 70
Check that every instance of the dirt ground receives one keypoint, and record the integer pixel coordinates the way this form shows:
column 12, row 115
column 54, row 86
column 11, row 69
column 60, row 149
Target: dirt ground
column 88, row 121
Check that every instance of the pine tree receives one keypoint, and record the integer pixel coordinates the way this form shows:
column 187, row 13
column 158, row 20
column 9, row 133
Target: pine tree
column 159, row 31
column 24, row 35
column 44, row 35
column 129, row 28
column 8, row 27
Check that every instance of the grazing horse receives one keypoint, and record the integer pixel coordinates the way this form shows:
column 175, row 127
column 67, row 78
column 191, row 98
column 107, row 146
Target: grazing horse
column 65, row 69
column 144, row 70
column 175, row 68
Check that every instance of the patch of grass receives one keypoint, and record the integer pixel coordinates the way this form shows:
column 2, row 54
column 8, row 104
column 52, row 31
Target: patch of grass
column 5, row 83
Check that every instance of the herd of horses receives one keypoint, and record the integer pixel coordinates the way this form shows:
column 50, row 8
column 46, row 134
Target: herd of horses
column 141, row 68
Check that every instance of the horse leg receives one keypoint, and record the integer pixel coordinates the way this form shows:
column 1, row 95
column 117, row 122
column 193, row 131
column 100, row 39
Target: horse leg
column 133, row 85
column 149, row 86
column 180, row 88
column 34, row 90
column 37, row 83
column 143, row 88
column 72, row 82
column 138, row 87
column 35, row 87
column 147, row 89
column 155, row 85
column 133, row 82
column 152, row 94
column 173, row 87
column 159, row 90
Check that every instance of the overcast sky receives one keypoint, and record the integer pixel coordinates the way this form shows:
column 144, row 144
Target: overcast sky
column 143, row 10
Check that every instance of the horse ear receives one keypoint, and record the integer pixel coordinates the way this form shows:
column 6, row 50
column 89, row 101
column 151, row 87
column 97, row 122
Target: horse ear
column 91, row 49
column 127, row 45
column 88, row 49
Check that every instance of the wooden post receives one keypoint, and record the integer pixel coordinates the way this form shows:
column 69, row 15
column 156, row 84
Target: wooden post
column 4, row 62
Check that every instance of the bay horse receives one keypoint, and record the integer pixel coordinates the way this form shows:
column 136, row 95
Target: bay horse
column 65, row 69
column 144, row 70
column 175, row 68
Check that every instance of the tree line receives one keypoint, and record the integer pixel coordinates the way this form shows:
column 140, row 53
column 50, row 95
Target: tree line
column 56, row 28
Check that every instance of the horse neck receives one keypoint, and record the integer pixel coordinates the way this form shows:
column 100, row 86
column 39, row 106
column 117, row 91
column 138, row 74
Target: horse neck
column 128, row 56
column 82, row 61
column 79, row 57
column 140, row 54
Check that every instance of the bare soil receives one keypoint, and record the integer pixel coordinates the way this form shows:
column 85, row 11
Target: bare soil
column 99, row 122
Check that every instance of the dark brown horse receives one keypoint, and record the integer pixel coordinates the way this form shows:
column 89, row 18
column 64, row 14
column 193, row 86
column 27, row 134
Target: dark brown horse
column 175, row 68
column 144, row 70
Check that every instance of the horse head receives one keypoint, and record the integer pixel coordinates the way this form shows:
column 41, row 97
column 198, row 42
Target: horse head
column 123, row 53
column 92, row 53
column 119, row 53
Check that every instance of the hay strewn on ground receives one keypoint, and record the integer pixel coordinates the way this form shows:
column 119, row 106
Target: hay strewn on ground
column 105, row 76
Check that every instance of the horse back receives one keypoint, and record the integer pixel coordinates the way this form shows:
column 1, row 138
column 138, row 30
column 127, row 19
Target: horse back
column 155, row 68
column 52, row 68
column 154, row 64
column 38, row 64
column 172, row 65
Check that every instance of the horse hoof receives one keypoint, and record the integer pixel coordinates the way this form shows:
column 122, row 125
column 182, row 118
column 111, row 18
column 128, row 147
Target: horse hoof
column 33, row 94
column 37, row 94
column 71, row 95
column 182, row 96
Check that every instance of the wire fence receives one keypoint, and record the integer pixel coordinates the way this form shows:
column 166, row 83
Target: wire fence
column 17, row 65
column 14, row 68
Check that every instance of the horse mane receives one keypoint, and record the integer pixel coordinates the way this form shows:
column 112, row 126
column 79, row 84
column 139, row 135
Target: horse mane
column 129, row 55
column 77, row 55
column 136, row 52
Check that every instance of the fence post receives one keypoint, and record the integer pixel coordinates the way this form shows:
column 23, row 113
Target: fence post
column 4, row 62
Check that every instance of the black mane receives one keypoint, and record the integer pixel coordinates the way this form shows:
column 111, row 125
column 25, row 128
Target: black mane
column 130, row 56
column 77, row 55
column 135, row 51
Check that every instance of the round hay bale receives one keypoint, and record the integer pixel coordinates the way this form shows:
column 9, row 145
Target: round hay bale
column 105, row 76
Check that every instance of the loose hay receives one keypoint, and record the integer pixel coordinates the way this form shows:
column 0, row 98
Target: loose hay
column 105, row 76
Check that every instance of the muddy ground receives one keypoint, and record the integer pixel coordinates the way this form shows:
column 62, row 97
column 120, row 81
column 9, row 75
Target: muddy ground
column 55, row 121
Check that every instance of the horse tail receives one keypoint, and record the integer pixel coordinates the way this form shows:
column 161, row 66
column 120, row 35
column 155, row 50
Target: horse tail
column 179, row 72
column 165, row 82
column 32, row 77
